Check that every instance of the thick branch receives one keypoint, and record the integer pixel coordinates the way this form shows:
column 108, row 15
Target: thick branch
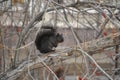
column 102, row 43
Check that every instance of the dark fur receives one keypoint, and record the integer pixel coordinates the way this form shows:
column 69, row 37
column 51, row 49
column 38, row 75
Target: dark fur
column 47, row 39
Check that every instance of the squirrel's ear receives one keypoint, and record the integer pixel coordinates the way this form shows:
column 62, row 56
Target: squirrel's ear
column 57, row 34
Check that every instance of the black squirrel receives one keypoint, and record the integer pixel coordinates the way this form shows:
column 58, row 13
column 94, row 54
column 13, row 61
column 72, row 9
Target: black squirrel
column 47, row 39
